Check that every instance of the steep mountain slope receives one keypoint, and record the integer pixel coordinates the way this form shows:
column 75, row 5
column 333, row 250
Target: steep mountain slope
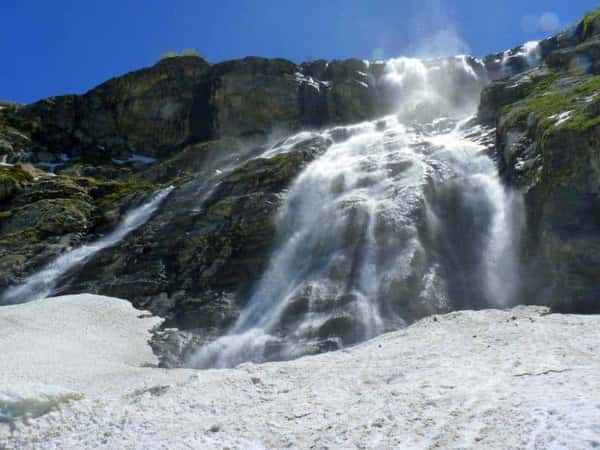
column 195, row 125
column 229, row 137
column 548, row 144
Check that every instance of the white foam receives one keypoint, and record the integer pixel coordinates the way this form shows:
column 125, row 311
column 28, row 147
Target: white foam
column 561, row 118
column 530, row 51
column 374, row 186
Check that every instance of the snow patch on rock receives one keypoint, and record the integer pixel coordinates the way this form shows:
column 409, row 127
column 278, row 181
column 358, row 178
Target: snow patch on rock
column 561, row 117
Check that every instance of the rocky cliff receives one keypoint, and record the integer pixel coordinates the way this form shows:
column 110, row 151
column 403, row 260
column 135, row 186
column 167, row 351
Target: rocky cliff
column 74, row 164
column 548, row 131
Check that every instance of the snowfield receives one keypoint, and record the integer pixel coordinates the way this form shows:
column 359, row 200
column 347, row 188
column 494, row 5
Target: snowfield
column 490, row 379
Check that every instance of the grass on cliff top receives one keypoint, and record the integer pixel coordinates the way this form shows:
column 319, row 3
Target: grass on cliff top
column 186, row 52
column 556, row 109
column 548, row 100
column 590, row 22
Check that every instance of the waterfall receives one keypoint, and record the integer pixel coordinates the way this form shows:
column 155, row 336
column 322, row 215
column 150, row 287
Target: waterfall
column 524, row 57
column 42, row 284
column 401, row 218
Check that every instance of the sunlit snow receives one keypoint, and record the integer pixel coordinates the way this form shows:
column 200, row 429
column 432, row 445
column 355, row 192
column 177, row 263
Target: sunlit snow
column 491, row 379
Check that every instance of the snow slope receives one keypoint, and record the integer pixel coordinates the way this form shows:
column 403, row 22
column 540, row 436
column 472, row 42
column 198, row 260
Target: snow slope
column 487, row 379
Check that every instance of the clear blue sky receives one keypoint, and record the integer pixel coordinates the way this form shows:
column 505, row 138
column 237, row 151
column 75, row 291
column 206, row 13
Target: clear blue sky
column 51, row 47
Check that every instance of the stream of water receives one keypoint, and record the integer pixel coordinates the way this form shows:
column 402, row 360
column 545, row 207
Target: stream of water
column 42, row 283
column 404, row 217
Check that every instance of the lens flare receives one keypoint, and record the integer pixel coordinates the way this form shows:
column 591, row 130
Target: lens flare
column 549, row 22
column 530, row 24
column 377, row 54
column 580, row 65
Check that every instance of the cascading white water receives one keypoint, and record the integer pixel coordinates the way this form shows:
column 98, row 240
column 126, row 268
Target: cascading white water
column 404, row 218
column 41, row 284
column 529, row 52
column 423, row 90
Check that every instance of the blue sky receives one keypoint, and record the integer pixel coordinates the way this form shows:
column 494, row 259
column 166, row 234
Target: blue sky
column 61, row 46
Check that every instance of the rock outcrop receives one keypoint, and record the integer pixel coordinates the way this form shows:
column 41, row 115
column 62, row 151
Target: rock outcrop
column 548, row 144
column 179, row 101
column 195, row 260
column 41, row 215
column 182, row 121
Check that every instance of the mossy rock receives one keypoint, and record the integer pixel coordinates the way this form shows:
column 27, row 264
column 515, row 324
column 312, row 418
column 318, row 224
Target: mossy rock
column 507, row 92
column 113, row 194
column 51, row 216
column 549, row 141
column 52, row 187
column 591, row 24
column 557, row 117
column 12, row 179
column 19, row 240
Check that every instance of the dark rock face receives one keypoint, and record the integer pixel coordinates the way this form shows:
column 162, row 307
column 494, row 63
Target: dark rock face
column 196, row 120
column 548, row 143
column 257, row 96
column 158, row 110
column 40, row 216
column 195, row 260
column 146, row 112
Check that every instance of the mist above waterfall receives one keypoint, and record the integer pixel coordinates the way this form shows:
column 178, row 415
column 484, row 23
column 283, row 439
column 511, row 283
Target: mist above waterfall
column 401, row 218
column 434, row 31
column 421, row 90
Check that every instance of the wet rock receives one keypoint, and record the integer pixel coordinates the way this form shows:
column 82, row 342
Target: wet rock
column 194, row 262
column 172, row 346
column 548, row 139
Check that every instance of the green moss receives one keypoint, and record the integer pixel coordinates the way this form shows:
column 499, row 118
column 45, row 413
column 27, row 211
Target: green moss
column 12, row 123
column 560, row 142
column 546, row 101
column 35, row 222
column 544, row 84
column 14, row 174
column 28, row 236
column 12, row 179
column 110, row 194
column 528, row 90
column 55, row 187
column 55, row 216
column 589, row 22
